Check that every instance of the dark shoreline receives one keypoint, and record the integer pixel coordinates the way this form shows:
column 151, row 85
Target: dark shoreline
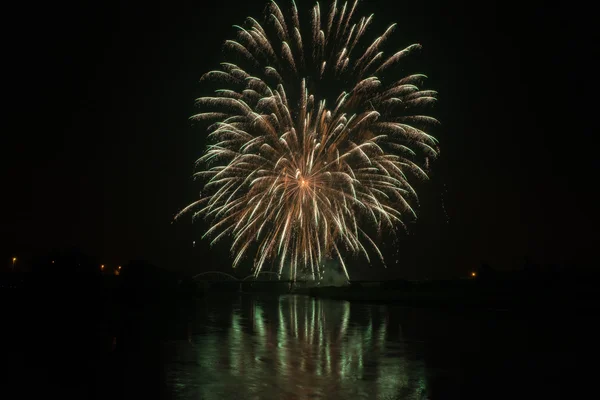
column 509, row 296
column 517, row 293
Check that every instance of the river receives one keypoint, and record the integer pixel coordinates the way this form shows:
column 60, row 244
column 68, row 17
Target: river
column 290, row 347
column 298, row 347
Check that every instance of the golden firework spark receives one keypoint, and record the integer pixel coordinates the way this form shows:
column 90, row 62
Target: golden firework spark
column 291, row 170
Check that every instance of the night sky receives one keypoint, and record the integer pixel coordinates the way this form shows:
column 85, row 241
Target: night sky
column 100, row 149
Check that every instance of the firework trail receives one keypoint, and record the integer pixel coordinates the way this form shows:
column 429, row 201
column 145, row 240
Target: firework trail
column 313, row 140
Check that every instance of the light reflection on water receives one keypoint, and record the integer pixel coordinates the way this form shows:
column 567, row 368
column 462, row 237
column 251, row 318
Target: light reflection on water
column 294, row 347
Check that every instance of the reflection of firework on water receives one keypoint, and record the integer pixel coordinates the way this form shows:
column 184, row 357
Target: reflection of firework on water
column 310, row 131
column 301, row 347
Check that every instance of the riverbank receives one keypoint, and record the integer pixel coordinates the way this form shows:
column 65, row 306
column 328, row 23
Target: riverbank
column 498, row 294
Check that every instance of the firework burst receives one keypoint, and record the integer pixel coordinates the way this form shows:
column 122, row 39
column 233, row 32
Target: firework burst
column 296, row 169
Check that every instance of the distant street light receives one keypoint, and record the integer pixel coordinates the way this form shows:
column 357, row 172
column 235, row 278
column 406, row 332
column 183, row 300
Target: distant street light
column 14, row 261
column 473, row 274
column 102, row 267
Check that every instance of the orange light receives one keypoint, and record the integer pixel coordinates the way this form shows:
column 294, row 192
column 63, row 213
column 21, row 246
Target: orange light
column 119, row 267
column 473, row 274
column 14, row 259
column 102, row 267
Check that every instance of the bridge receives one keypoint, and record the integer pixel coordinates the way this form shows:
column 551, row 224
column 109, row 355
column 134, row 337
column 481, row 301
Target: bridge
column 212, row 276
column 264, row 281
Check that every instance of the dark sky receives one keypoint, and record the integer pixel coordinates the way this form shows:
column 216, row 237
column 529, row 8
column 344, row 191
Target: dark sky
column 100, row 150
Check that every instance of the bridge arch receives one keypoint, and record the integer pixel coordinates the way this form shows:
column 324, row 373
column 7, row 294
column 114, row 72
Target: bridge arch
column 218, row 273
column 270, row 273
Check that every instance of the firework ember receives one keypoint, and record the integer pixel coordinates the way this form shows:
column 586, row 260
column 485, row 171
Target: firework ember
column 313, row 139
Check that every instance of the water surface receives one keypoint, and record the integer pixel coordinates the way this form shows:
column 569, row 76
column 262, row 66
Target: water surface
column 292, row 347
column 295, row 347
column 298, row 347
